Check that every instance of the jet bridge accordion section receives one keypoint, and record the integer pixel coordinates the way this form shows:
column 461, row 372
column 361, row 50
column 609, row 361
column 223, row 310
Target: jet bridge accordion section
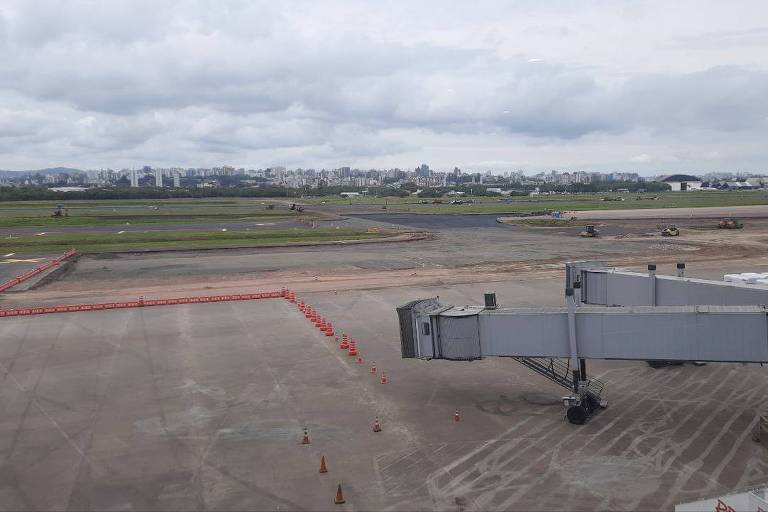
column 682, row 333
column 601, row 285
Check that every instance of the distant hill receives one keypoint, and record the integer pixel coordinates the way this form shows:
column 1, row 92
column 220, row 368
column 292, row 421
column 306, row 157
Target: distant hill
column 55, row 170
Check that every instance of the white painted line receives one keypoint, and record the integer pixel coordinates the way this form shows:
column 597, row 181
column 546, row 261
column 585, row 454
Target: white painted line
column 9, row 255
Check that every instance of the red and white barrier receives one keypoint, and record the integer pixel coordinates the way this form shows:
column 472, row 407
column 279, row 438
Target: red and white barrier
column 140, row 303
column 42, row 268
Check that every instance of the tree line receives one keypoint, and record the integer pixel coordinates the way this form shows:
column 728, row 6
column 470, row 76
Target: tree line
column 32, row 193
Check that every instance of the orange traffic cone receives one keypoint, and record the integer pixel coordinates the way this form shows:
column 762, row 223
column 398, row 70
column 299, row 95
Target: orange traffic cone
column 339, row 496
column 456, row 417
column 373, row 366
column 344, row 344
column 323, row 468
column 305, row 440
column 384, row 378
column 376, row 425
column 352, row 350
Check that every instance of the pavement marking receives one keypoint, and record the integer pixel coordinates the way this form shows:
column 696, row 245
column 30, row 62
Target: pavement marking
column 41, row 234
column 31, row 396
column 9, row 255
column 29, row 260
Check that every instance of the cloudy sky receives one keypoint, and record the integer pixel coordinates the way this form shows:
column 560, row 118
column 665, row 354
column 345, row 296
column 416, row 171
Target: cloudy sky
column 498, row 85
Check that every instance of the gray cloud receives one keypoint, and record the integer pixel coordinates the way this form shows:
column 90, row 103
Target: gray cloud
column 258, row 83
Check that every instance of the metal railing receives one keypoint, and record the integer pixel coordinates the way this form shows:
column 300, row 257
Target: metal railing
column 559, row 372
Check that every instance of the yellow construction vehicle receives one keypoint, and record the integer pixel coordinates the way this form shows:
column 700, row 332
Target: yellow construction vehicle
column 670, row 231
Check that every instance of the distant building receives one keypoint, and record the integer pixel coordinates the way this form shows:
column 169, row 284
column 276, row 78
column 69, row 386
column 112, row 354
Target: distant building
column 158, row 178
column 758, row 181
column 423, row 171
column 176, row 180
column 682, row 182
column 134, row 178
column 68, row 189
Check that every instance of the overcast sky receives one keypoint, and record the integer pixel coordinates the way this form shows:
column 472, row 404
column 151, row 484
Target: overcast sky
column 493, row 85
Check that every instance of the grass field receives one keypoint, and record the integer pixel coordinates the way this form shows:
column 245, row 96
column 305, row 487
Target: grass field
column 181, row 211
column 93, row 213
column 573, row 202
column 137, row 241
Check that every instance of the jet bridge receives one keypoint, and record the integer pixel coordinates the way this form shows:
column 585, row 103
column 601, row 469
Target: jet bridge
column 599, row 284
column 677, row 333
column 638, row 317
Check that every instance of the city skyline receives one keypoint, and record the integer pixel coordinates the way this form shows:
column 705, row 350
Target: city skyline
column 491, row 86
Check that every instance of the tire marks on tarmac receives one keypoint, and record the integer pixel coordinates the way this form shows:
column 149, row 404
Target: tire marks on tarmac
column 670, row 428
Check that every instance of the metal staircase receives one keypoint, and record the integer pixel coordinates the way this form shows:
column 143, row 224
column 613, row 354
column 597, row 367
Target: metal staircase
column 559, row 372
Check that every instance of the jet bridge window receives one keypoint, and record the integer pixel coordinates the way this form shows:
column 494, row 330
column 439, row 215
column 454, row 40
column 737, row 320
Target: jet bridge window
column 425, row 330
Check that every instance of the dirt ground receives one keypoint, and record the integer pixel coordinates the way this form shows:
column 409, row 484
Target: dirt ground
column 202, row 406
column 465, row 249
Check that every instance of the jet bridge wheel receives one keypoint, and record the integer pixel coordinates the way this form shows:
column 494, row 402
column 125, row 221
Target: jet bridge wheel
column 590, row 404
column 577, row 414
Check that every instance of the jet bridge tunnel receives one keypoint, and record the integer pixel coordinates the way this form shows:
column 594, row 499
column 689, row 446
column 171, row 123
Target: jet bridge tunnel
column 676, row 333
column 599, row 284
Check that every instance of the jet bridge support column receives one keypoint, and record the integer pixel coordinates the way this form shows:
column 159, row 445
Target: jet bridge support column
column 571, row 303
column 580, row 405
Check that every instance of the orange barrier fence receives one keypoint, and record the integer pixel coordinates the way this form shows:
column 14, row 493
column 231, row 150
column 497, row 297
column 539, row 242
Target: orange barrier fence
column 45, row 266
column 139, row 303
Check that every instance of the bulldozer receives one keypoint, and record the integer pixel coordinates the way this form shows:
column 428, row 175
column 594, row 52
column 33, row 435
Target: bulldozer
column 589, row 232
column 730, row 223
column 670, row 231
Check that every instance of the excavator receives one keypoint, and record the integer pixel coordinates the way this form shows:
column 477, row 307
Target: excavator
column 730, row 223
column 590, row 231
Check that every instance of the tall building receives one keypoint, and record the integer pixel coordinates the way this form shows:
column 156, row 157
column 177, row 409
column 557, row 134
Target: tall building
column 134, row 178
column 158, row 178
column 176, row 180
column 423, row 171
